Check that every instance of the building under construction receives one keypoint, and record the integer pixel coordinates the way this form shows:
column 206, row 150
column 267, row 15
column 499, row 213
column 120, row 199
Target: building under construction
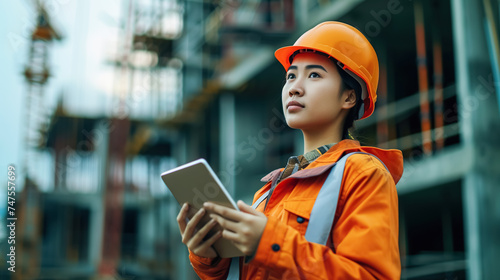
column 198, row 79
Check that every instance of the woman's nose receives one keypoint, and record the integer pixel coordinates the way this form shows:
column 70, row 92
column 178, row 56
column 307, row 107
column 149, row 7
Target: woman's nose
column 296, row 89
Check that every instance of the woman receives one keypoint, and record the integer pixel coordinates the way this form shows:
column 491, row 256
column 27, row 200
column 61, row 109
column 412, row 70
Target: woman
column 331, row 81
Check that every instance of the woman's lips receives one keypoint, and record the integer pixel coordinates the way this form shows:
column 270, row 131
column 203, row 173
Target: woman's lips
column 294, row 106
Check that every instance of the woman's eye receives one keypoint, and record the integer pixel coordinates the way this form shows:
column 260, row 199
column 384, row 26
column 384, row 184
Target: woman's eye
column 314, row 75
column 290, row 76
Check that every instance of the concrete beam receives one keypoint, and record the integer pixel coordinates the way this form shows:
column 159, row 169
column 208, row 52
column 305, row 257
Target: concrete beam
column 247, row 69
column 449, row 165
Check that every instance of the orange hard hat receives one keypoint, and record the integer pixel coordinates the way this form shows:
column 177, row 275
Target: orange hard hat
column 350, row 48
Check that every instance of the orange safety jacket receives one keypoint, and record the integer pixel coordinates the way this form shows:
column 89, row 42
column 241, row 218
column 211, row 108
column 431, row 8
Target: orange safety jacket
column 364, row 238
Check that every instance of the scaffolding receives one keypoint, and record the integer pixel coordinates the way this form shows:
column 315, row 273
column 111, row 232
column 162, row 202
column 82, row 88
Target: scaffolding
column 36, row 73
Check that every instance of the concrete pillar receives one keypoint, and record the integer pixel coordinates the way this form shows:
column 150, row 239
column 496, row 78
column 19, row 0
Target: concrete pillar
column 227, row 136
column 146, row 232
column 301, row 11
column 95, row 231
column 96, row 219
column 479, row 124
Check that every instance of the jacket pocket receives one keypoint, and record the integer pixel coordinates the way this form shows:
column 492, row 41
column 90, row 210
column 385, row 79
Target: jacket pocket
column 297, row 213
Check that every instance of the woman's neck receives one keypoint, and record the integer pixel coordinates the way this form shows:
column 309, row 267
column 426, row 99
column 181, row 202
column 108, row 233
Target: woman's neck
column 317, row 138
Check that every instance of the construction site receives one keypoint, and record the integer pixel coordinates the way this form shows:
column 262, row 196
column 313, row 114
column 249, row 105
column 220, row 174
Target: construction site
column 102, row 115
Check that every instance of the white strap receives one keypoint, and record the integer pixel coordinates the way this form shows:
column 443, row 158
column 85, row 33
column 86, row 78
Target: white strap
column 259, row 201
column 324, row 209
column 234, row 269
column 325, row 206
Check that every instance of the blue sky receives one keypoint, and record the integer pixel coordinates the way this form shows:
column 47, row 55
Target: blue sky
column 13, row 46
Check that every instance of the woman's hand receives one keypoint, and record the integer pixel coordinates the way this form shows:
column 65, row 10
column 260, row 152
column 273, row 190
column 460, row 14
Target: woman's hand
column 194, row 239
column 244, row 228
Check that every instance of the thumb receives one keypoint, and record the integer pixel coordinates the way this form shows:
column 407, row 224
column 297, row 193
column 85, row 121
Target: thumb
column 248, row 209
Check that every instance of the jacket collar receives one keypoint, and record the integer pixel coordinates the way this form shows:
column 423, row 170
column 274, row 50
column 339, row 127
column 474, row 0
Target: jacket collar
column 271, row 175
column 393, row 160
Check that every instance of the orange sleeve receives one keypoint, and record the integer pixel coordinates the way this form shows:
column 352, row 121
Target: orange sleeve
column 365, row 235
column 208, row 268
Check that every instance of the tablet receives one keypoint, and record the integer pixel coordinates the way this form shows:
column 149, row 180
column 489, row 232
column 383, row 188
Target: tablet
column 195, row 183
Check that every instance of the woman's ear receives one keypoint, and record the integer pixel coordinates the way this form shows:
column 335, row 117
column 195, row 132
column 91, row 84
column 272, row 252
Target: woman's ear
column 348, row 98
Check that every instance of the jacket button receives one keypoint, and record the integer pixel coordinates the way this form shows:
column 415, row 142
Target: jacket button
column 275, row 247
column 300, row 220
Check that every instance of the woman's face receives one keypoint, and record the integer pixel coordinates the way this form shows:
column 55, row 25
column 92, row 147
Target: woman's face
column 311, row 95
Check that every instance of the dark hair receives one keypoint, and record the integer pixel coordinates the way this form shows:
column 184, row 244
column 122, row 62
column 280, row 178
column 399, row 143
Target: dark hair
column 348, row 82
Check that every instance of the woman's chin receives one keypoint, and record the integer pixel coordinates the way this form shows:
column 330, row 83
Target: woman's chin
column 295, row 124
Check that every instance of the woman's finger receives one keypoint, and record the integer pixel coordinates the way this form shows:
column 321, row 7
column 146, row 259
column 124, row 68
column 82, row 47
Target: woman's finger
column 248, row 209
column 232, row 236
column 181, row 218
column 225, row 223
column 191, row 225
column 209, row 242
column 198, row 237
column 223, row 211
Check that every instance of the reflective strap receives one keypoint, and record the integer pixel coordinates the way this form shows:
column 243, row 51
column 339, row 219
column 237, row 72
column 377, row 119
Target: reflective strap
column 325, row 206
column 259, row 201
column 234, row 269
